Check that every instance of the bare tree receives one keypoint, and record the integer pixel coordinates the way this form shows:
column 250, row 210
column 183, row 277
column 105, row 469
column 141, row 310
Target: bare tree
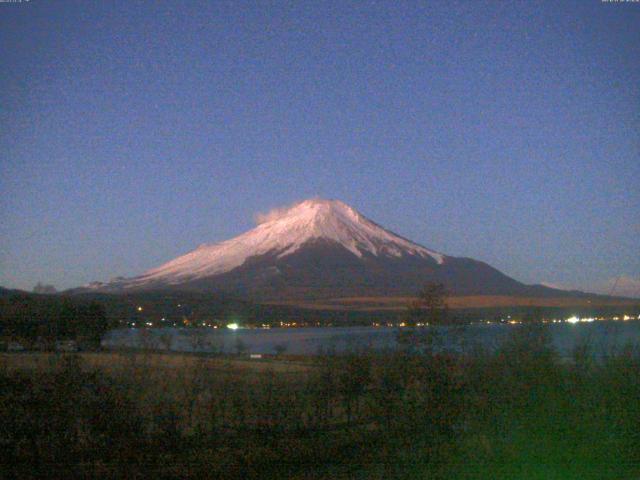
column 166, row 339
column 199, row 340
column 240, row 346
column 353, row 378
column 280, row 349
column 432, row 300
column 429, row 306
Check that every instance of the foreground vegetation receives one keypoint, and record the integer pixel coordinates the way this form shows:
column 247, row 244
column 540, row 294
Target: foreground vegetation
column 518, row 412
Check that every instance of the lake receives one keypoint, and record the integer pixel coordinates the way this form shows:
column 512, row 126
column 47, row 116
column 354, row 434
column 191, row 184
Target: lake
column 603, row 336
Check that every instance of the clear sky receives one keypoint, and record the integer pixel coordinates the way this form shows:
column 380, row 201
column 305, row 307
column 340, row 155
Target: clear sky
column 131, row 132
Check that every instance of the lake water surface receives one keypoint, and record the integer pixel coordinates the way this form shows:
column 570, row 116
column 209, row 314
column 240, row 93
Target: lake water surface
column 603, row 336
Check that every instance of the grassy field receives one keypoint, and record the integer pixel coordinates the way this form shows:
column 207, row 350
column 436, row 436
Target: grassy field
column 461, row 302
column 518, row 412
column 162, row 362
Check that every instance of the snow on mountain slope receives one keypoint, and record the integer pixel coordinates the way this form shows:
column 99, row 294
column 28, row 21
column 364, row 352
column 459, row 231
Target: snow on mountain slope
column 282, row 234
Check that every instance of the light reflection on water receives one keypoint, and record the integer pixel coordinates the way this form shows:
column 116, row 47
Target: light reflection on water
column 603, row 337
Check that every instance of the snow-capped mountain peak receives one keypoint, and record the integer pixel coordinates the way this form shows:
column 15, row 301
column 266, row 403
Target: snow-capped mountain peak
column 319, row 249
column 282, row 232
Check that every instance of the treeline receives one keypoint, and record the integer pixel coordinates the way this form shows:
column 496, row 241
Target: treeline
column 41, row 320
column 518, row 412
column 194, row 309
column 166, row 309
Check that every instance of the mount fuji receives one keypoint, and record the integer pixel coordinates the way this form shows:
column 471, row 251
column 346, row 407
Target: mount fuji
column 320, row 249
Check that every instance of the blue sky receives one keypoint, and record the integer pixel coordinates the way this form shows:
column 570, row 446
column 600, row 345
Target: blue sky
column 504, row 131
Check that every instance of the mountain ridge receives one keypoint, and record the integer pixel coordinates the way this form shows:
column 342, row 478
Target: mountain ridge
column 320, row 249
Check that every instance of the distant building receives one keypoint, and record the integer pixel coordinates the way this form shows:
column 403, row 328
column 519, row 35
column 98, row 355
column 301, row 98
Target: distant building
column 66, row 346
column 44, row 289
column 15, row 347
